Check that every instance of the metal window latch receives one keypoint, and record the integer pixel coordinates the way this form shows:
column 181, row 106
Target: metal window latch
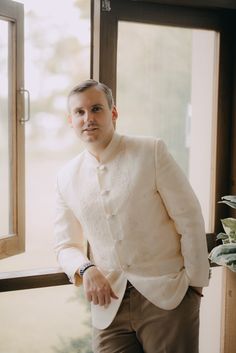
column 25, row 118
column 106, row 5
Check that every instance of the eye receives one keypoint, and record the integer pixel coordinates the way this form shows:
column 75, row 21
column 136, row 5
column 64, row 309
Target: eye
column 96, row 109
column 79, row 112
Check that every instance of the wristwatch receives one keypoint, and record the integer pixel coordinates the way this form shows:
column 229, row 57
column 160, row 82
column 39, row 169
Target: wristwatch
column 84, row 267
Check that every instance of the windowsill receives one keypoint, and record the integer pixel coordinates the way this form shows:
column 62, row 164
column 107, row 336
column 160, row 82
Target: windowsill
column 18, row 280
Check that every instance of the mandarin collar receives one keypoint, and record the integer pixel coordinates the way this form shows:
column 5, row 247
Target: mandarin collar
column 108, row 152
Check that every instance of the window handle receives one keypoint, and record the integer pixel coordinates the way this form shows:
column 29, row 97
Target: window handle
column 26, row 117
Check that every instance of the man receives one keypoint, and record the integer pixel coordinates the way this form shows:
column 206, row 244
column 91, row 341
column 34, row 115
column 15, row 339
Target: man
column 129, row 199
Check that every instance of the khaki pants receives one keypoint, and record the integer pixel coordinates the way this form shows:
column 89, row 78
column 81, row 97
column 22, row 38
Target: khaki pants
column 141, row 327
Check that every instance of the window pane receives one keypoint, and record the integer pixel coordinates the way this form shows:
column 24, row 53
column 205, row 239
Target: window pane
column 166, row 88
column 5, row 139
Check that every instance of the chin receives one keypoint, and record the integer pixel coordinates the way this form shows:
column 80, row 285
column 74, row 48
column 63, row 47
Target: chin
column 90, row 139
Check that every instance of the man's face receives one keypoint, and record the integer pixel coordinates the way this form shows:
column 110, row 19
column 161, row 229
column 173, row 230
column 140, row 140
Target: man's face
column 91, row 117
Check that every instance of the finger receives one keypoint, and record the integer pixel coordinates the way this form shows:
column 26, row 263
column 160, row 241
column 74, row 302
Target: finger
column 101, row 299
column 95, row 299
column 107, row 300
column 89, row 297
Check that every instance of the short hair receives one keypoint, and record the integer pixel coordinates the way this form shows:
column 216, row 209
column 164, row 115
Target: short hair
column 83, row 86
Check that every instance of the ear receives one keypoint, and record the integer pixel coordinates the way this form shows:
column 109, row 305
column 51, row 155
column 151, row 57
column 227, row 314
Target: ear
column 69, row 119
column 114, row 113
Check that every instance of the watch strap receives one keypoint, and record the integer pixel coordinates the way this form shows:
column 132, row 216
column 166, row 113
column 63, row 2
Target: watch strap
column 84, row 267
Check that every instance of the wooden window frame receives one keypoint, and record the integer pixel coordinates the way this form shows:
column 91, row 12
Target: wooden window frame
column 13, row 13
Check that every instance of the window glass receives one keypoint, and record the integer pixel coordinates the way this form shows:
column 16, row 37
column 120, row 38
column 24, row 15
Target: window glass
column 167, row 87
column 48, row 320
column 5, row 138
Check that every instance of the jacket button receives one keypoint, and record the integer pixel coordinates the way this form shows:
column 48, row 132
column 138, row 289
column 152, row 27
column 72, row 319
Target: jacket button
column 101, row 167
column 125, row 267
column 104, row 192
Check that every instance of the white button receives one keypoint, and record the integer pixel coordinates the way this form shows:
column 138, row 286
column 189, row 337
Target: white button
column 109, row 216
column 104, row 192
column 125, row 267
column 102, row 167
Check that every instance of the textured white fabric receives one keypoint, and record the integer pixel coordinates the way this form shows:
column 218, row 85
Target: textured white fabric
column 141, row 218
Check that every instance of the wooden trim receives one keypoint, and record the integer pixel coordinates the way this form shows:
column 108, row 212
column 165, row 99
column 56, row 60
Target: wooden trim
column 107, row 65
column 49, row 277
column 226, row 4
column 92, row 18
column 233, row 129
column 165, row 14
column 20, row 138
column 224, row 122
column 95, row 38
column 211, row 242
column 9, row 10
column 13, row 13
column 12, row 122
column 228, row 339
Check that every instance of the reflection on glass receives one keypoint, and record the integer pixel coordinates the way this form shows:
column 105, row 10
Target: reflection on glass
column 165, row 88
column 4, row 133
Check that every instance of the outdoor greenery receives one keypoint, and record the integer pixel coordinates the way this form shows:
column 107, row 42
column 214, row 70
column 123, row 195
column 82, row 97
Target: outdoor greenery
column 75, row 345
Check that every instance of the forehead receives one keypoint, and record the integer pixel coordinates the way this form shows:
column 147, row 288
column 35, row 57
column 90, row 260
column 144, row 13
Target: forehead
column 87, row 98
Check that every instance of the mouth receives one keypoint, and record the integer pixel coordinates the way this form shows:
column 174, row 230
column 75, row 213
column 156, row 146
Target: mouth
column 90, row 129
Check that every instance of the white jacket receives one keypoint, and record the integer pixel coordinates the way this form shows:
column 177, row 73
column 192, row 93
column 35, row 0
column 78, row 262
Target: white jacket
column 141, row 218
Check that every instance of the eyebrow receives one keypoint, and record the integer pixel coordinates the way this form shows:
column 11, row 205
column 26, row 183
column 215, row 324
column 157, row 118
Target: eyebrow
column 97, row 104
column 94, row 105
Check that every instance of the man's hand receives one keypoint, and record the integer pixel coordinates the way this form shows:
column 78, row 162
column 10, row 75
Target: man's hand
column 97, row 288
column 197, row 290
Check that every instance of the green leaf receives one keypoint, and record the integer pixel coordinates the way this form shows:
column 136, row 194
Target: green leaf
column 224, row 237
column 229, row 225
column 229, row 200
column 221, row 236
column 224, row 255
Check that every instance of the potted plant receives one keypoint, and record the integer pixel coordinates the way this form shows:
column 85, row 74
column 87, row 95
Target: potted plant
column 225, row 254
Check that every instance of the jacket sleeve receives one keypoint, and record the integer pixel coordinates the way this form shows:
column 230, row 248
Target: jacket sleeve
column 69, row 244
column 184, row 209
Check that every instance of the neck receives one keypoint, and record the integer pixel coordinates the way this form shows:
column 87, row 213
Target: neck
column 96, row 149
column 95, row 152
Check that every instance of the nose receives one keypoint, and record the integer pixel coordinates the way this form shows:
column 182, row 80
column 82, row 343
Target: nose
column 88, row 117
